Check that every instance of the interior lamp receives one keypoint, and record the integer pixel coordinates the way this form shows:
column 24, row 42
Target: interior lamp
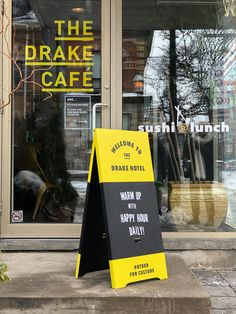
column 138, row 83
column 78, row 10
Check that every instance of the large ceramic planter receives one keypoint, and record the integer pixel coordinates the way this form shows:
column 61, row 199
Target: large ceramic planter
column 203, row 203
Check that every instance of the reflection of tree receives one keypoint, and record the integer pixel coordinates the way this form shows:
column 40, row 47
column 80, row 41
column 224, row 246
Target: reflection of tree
column 19, row 7
column 183, row 74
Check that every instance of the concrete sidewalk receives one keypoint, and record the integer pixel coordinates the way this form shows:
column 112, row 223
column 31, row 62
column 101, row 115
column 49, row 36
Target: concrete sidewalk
column 44, row 283
column 221, row 286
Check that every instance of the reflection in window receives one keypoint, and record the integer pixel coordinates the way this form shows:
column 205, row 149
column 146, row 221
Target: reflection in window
column 52, row 108
column 184, row 58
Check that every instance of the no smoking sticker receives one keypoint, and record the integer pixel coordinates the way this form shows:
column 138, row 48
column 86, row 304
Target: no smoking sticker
column 17, row 216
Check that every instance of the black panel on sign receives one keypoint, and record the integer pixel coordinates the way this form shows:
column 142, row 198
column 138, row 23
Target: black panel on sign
column 132, row 219
column 93, row 243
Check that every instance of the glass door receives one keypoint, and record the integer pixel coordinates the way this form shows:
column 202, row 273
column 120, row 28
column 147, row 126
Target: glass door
column 57, row 78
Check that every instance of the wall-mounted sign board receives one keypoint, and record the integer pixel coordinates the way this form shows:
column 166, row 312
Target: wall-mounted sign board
column 121, row 228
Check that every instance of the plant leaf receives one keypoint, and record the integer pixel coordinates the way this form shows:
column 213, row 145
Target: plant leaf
column 3, row 269
column 6, row 278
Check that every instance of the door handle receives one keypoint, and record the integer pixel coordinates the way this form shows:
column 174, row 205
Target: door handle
column 95, row 106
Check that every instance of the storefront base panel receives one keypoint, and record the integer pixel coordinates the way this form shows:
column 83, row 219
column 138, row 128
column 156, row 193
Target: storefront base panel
column 196, row 252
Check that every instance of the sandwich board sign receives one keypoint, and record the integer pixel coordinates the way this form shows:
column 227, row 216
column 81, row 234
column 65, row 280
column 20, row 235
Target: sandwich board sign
column 121, row 228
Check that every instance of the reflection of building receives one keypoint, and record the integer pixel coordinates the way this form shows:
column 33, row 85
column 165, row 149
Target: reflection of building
column 135, row 108
column 134, row 56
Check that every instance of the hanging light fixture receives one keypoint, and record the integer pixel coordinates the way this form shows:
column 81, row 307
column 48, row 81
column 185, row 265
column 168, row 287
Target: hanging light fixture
column 78, row 10
column 138, row 83
column 79, row 6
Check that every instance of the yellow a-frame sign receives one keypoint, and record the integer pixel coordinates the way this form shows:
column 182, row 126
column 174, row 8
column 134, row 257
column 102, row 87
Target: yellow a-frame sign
column 121, row 228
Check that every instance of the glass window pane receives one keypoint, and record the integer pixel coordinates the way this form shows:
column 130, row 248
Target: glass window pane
column 179, row 75
column 57, row 80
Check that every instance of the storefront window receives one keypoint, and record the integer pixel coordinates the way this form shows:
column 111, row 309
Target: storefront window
column 179, row 75
column 56, row 80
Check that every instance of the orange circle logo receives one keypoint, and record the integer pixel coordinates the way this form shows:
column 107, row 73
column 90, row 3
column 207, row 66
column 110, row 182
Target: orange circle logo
column 183, row 128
